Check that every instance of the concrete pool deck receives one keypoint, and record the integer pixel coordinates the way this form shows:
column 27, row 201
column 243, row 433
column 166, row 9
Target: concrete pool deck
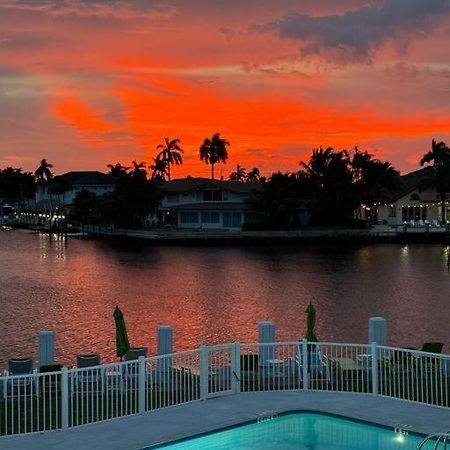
column 135, row 432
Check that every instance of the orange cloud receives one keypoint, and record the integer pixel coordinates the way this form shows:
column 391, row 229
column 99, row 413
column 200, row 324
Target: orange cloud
column 81, row 116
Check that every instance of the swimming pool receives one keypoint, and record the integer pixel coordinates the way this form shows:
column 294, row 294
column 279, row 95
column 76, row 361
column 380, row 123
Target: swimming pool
column 301, row 431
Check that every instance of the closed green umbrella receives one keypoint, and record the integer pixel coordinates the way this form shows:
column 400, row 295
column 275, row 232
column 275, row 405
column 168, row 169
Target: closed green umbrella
column 122, row 343
column 311, row 323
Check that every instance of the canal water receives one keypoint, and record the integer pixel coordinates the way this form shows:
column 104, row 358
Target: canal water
column 214, row 294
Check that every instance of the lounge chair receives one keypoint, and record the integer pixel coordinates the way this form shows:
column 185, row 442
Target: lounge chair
column 432, row 347
column 420, row 223
column 135, row 352
column 90, row 377
column 22, row 382
column 131, row 371
column 318, row 364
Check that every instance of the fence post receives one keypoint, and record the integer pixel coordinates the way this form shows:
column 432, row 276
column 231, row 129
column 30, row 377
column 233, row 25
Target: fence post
column 64, row 398
column 204, row 372
column 141, row 385
column 374, row 359
column 236, row 367
column 305, row 364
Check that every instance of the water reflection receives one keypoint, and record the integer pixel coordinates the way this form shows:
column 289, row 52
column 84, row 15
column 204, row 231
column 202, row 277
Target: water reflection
column 53, row 245
column 214, row 294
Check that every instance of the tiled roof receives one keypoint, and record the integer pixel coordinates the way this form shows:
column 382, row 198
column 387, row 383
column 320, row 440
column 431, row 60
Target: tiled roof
column 408, row 183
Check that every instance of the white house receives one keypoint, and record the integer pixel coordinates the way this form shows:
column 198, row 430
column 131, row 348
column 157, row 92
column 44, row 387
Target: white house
column 413, row 203
column 73, row 182
column 203, row 203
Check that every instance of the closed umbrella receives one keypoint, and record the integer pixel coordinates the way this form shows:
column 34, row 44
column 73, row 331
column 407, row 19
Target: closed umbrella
column 310, row 323
column 122, row 343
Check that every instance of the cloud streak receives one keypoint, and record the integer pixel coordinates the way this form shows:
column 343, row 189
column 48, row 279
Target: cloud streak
column 119, row 9
column 357, row 35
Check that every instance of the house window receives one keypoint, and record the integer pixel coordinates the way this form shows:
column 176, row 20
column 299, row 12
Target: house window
column 232, row 220
column 392, row 211
column 210, row 217
column 188, row 217
column 210, row 195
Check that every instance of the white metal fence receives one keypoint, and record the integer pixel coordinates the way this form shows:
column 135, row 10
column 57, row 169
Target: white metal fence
column 77, row 396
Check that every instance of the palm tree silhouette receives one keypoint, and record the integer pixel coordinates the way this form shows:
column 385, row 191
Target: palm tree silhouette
column 372, row 178
column 117, row 170
column 159, row 169
column 213, row 151
column 253, row 176
column 239, row 175
column 43, row 173
column 171, row 152
column 139, row 170
column 439, row 156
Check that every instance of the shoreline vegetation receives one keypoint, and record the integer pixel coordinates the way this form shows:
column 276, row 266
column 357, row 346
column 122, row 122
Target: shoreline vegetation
column 328, row 190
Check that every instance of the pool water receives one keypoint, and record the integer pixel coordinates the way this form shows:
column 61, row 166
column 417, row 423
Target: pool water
column 302, row 431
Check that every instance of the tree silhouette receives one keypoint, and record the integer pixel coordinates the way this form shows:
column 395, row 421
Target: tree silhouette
column 171, row 152
column 43, row 173
column 372, row 178
column 160, row 169
column 118, row 170
column 138, row 170
column 253, row 176
column 239, row 175
column 439, row 157
column 328, row 178
column 214, row 151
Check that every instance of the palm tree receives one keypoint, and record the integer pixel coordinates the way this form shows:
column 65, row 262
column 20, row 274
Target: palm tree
column 43, row 173
column 439, row 156
column 239, row 175
column 328, row 178
column 213, row 151
column 138, row 170
column 171, row 152
column 372, row 178
column 159, row 169
column 253, row 176
column 117, row 170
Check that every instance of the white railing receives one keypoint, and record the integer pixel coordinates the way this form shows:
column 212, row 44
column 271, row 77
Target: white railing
column 77, row 396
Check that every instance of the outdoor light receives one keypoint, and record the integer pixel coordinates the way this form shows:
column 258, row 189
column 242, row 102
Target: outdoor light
column 399, row 438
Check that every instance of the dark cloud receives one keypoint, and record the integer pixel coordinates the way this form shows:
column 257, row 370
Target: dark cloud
column 357, row 35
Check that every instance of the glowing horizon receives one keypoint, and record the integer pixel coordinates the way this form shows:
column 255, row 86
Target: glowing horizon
column 87, row 83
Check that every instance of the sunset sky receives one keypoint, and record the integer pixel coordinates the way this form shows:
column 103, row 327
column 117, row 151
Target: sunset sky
column 84, row 83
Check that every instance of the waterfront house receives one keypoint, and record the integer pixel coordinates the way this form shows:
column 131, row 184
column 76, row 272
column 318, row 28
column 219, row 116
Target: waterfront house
column 202, row 203
column 414, row 203
column 66, row 187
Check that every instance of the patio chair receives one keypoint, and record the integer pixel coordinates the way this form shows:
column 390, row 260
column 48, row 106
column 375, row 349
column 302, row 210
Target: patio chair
column 21, row 383
column 131, row 371
column 86, row 379
column 432, row 347
column 318, row 364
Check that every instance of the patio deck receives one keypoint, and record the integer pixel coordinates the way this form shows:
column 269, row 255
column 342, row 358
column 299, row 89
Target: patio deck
column 136, row 432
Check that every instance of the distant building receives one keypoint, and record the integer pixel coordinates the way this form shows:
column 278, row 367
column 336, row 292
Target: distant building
column 212, row 204
column 67, row 186
column 413, row 203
